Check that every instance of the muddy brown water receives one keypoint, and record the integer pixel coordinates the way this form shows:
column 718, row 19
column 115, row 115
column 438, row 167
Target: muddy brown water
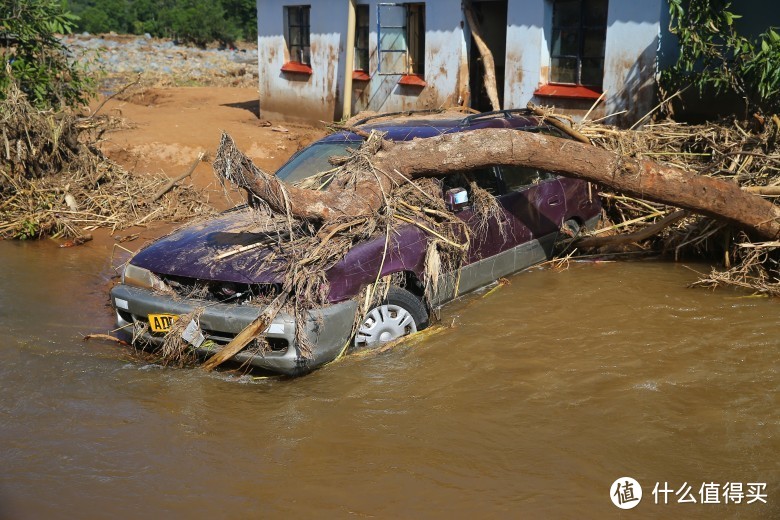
column 543, row 393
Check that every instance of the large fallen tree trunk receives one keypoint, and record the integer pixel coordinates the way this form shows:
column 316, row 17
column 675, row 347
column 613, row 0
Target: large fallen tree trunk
column 394, row 163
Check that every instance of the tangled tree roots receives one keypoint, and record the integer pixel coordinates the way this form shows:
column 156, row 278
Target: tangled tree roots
column 55, row 182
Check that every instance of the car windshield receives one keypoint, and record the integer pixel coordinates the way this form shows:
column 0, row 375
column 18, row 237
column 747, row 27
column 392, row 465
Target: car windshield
column 313, row 159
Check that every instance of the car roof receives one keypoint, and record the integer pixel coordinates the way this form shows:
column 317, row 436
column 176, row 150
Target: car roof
column 405, row 126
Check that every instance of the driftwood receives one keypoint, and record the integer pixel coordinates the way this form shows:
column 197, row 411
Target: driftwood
column 395, row 163
column 557, row 123
column 105, row 337
column 767, row 191
column 250, row 332
column 487, row 57
column 643, row 234
column 171, row 183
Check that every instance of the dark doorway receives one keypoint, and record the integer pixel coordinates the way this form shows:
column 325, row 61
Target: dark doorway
column 491, row 16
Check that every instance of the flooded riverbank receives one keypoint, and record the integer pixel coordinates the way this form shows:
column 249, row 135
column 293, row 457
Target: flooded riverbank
column 540, row 396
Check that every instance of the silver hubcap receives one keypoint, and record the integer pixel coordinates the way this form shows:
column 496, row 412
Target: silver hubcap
column 384, row 323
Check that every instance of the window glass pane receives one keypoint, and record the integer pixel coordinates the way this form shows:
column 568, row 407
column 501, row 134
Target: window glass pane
column 362, row 16
column 415, row 30
column 298, row 33
column 564, row 70
column 555, row 48
column 392, row 16
column 566, row 13
column 392, row 39
column 361, row 59
column 361, row 38
column 485, row 179
column 595, row 12
column 314, row 159
column 565, row 42
column 295, row 36
column 593, row 46
column 519, row 177
column 592, row 71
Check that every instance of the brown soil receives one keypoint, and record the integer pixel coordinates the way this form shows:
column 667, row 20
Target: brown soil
column 166, row 128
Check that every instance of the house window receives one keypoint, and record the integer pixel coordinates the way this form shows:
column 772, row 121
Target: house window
column 361, row 38
column 579, row 30
column 401, row 29
column 298, row 31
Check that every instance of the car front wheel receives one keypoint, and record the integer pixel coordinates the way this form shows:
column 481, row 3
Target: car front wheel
column 400, row 314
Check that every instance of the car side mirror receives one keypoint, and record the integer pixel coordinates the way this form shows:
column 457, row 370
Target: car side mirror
column 456, row 199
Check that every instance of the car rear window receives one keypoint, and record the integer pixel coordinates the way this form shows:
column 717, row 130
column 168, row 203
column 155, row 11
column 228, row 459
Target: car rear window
column 313, row 159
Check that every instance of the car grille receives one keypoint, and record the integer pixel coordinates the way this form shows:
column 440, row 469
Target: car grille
column 222, row 292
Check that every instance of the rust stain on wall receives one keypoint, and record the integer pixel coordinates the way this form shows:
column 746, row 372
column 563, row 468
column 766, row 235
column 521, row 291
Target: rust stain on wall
column 544, row 73
column 637, row 95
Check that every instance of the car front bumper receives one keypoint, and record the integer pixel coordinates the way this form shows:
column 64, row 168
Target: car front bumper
column 328, row 329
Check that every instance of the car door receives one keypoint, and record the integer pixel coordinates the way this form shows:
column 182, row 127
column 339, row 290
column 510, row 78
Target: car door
column 491, row 240
column 535, row 203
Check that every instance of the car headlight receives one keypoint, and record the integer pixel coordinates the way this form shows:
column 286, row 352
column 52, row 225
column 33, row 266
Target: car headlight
column 140, row 277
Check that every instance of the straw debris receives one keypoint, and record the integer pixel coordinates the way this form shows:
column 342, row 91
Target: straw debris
column 55, row 182
column 745, row 153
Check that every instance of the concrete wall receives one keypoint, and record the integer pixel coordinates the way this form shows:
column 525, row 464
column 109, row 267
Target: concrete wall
column 630, row 60
column 300, row 96
column 633, row 30
column 629, row 57
column 320, row 95
column 527, row 51
column 443, row 49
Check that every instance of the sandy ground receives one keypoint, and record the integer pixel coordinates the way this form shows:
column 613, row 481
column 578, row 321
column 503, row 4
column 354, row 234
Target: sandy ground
column 165, row 129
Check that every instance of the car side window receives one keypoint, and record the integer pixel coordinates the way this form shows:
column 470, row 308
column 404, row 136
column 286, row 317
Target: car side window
column 516, row 178
column 484, row 177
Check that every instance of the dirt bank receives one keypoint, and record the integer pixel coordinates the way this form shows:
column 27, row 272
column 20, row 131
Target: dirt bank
column 166, row 128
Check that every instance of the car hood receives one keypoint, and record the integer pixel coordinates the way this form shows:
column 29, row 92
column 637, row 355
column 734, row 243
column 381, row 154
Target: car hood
column 195, row 251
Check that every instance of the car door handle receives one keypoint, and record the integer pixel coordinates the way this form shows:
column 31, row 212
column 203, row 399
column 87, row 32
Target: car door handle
column 554, row 201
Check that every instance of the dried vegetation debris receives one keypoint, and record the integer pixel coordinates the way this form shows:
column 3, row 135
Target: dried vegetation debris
column 55, row 182
column 746, row 153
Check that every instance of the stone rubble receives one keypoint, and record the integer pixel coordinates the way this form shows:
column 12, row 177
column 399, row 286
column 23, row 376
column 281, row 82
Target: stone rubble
column 123, row 57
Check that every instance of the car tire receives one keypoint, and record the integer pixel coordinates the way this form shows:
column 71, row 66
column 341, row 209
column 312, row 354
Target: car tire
column 401, row 313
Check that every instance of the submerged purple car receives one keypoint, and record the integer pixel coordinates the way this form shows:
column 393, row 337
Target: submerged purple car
column 537, row 207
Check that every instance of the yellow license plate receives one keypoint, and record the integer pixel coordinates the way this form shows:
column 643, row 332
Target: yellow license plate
column 161, row 322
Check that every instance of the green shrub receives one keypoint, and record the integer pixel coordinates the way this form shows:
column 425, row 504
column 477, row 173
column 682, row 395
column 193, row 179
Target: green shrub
column 32, row 57
column 715, row 57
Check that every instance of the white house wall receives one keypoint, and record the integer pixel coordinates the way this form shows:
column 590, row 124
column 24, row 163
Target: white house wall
column 295, row 95
column 629, row 70
column 633, row 30
column 629, row 57
column 527, row 54
column 443, row 47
